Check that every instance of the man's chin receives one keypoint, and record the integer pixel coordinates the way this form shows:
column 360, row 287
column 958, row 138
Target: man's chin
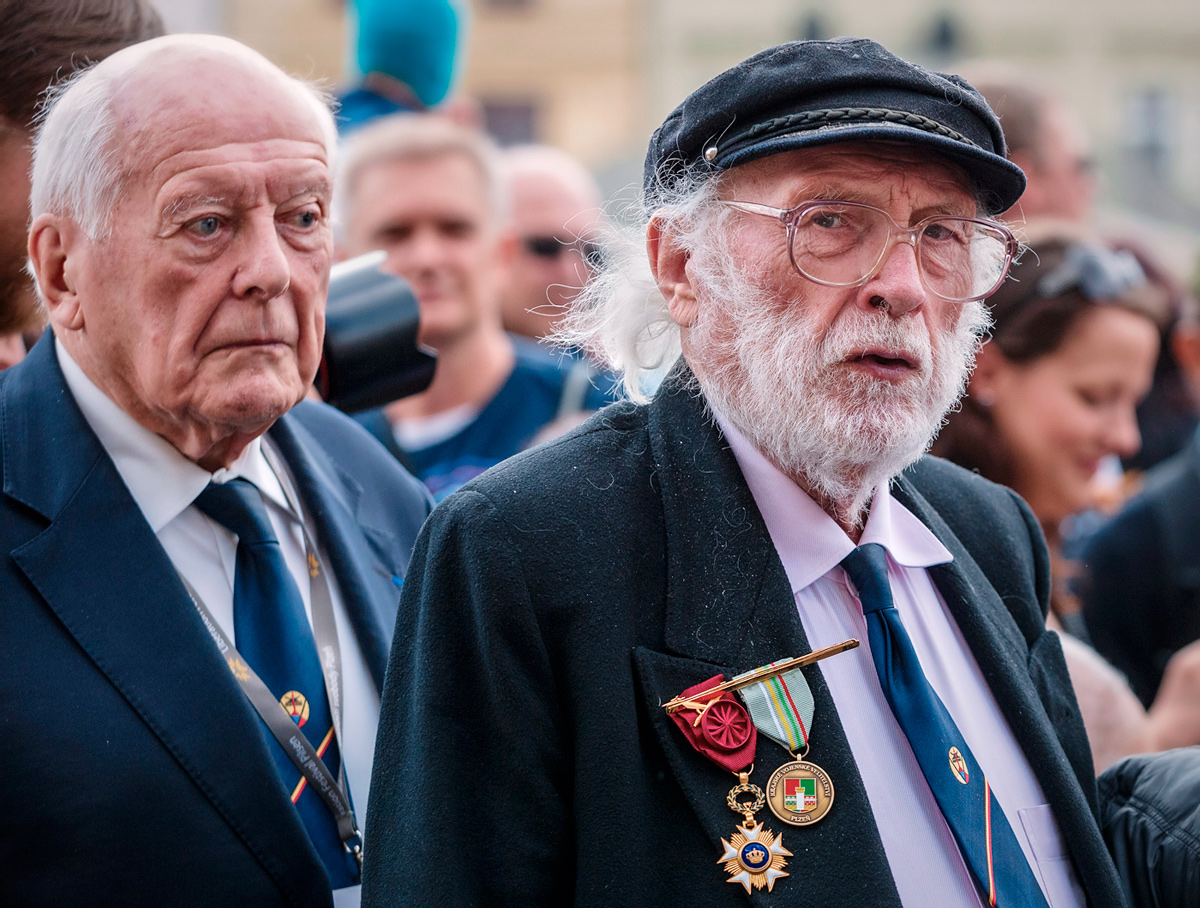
column 250, row 401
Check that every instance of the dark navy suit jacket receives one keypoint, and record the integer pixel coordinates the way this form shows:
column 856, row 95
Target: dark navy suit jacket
column 1141, row 579
column 134, row 770
column 555, row 603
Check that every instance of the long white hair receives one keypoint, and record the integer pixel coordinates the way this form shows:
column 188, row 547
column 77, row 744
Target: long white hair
column 621, row 317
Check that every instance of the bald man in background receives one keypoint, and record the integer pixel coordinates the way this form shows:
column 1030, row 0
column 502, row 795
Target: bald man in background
column 557, row 216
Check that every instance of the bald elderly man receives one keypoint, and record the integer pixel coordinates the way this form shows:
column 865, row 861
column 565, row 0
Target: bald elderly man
column 557, row 216
column 199, row 582
column 598, row 702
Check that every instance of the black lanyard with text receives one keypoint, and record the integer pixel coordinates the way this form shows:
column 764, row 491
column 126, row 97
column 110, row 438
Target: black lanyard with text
column 294, row 742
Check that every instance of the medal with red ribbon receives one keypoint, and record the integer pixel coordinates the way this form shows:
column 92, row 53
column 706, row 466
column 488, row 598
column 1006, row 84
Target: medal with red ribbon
column 716, row 723
column 721, row 728
column 718, row 726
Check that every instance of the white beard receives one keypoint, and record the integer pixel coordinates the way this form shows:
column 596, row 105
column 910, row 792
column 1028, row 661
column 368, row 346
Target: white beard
column 839, row 431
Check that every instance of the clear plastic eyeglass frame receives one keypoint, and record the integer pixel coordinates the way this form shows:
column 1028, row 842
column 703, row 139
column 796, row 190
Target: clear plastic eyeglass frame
column 1002, row 244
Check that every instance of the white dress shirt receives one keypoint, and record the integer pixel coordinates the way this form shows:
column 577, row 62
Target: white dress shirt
column 925, row 860
column 163, row 484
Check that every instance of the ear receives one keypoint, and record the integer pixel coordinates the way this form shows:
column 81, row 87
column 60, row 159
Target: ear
column 51, row 243
column 1185, row 346
column 986, row 380
column 669, row 265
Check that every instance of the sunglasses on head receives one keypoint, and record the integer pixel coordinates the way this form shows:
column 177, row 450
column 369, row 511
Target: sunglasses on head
column 1095, row 271
column 551, row 247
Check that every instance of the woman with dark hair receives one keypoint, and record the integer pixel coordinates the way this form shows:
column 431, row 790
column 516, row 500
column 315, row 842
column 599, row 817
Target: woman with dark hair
column 1054, row 394
column 1050, row 408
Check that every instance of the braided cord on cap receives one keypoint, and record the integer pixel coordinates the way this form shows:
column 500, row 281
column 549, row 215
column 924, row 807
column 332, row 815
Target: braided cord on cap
column 814, row 119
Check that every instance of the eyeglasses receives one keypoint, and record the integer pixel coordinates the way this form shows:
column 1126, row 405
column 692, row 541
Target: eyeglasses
column 551, row 247
column 844, row 244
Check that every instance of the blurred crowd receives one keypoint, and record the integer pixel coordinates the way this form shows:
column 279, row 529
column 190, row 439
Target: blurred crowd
column 1085, row 398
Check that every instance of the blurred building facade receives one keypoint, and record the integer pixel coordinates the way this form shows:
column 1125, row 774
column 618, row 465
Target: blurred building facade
column 595, row 77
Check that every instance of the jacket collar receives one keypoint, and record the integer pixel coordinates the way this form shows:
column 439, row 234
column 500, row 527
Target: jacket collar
column 728, row 599
column 365, row 574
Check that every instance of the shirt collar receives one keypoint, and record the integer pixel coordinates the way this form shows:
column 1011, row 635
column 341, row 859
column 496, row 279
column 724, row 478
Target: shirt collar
column 160, row 479
column 808, row 540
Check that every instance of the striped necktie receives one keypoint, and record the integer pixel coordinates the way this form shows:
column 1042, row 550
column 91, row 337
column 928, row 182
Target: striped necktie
column 273, row 635
column 958, row 784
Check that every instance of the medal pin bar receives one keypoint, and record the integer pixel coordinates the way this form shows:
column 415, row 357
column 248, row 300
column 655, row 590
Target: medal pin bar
column 705, row 698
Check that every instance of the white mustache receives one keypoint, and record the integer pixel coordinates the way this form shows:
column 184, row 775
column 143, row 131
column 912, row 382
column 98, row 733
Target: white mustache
column 857, row 331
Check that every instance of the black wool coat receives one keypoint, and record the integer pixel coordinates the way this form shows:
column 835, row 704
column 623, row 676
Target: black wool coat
column 556, row 602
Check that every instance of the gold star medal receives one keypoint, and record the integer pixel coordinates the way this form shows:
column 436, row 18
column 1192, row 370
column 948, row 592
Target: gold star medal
column 754, row 856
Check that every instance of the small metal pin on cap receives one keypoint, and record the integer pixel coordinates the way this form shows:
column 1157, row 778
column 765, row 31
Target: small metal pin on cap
column 710, row 153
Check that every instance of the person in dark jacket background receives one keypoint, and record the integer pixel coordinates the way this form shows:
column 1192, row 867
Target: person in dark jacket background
column 1150, row 817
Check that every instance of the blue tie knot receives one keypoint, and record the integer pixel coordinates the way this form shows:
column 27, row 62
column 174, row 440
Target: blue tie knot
column 866, row 567
column 238, row 506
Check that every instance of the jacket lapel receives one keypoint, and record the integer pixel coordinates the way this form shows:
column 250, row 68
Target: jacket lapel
column 100, row 568
column 367, row 579
column 729, row 609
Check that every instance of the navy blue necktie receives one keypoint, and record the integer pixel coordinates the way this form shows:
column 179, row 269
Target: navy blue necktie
column 272, row 633
column 958, row 784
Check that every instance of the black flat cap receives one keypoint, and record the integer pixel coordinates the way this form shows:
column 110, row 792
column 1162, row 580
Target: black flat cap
column 809, row 93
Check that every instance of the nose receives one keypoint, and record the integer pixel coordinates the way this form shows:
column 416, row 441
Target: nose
column 264, row 272
column 1125, row 439
column 420, row 253
column 897, row 280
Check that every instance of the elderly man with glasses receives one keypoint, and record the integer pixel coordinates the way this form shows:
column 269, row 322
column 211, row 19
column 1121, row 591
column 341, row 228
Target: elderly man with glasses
column 743, row 639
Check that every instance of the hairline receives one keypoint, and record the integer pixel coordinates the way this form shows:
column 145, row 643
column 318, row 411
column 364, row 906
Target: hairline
column 90, row 95
column 406, row 138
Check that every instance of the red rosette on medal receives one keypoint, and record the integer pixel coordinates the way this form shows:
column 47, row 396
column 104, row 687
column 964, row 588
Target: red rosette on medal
column 718, row 726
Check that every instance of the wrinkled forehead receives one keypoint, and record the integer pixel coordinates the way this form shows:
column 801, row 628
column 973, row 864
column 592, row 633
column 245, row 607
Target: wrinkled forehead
column 192, row 98
column 874, row 170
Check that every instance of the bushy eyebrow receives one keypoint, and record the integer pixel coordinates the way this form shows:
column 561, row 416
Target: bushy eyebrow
column 832, row 193
column 322, row 189
column 841, row 194
column 188, row 202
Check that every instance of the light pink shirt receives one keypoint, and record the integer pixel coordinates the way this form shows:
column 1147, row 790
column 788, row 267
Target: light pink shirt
column 924, row 858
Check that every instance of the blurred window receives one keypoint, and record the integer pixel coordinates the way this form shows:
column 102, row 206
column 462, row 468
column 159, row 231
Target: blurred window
column 510, row 122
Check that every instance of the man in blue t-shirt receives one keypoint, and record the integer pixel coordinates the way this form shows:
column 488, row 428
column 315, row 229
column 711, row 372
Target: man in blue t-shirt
column 428, row 192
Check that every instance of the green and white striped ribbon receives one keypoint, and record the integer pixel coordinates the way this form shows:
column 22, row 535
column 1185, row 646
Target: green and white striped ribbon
column 781, row 706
